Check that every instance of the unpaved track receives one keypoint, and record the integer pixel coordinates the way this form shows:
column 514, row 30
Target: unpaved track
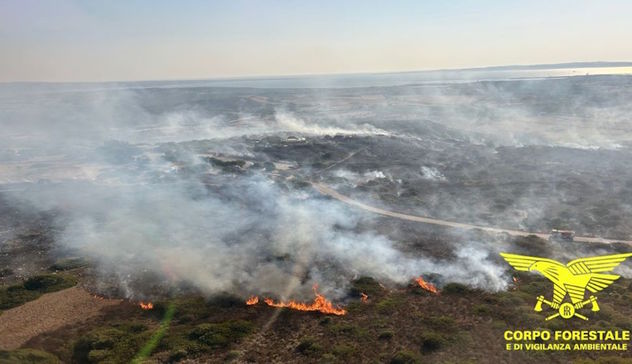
column 326, row 190
column 49, row 312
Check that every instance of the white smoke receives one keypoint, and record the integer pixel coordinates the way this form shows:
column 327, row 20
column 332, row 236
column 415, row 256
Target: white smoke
column 289, row 122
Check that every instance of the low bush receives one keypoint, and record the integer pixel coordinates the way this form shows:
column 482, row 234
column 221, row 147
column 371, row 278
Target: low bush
column 442, row 323
column 49, row 283
column 220, row 335
column 308, row 346
column 27, row 356
column 343, row 351
column 32, row 288
column 431, row 342
column 388, row 305
column 366, row 285
column 455, row 288
column 110, row 344
column 14, row 296
column 405, row 357
column 68, row 264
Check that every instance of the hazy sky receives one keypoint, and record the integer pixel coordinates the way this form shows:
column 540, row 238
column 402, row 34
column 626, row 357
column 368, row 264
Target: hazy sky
column 95, row 40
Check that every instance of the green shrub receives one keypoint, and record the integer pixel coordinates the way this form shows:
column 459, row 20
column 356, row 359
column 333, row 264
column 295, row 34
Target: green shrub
column 68, row 264
column 388, row 305
column 219, row 335
column 27, row 356
column 366, row 285
column 49, row 283
column 455, row 288
column 226, row 300
column 431, row 342
column 110, row 344
column 536, row 287
column 180, row 347
column 443, row 323
column 16, row 295
column 482, row 309
column 191, row 309
column 343, row 328
column 343, row 350
column 356, row 307
column 405, row 357
column 348, row 330
column 308, row 346
column 34, row 287
column 232, row 355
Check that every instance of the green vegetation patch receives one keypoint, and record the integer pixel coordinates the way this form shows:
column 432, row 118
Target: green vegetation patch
column 115, row 344
column 431, row 342
column 441, row 323
column 220, row 335
column 14, row 296
column 27, row 356
column 308, row 346
column 32, row 288
column 456, row 289
column 366, row 285
column 68, row 264
column 389, row 305
column 47, row 283
column 385, row 335
column 349, row 330
column 344, row 351
column 157, row 336
column 405, row 357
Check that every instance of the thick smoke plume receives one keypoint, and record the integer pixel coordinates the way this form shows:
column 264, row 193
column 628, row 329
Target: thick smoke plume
column 133, row 194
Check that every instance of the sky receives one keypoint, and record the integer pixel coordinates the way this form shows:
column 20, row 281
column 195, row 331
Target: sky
column 107, row 40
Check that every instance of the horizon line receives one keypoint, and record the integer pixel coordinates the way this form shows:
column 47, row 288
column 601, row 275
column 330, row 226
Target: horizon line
column 535, row 66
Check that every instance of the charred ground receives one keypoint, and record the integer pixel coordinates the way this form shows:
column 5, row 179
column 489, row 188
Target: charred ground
column 183, row 179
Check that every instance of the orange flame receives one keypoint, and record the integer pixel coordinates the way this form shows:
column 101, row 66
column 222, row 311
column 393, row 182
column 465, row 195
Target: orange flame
column 364, row 297
column 427, row 286
column 146, row 306
column 320, row 304
column 252, row 300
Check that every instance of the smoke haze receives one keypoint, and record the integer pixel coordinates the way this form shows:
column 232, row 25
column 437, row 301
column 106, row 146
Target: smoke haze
column 209, row 186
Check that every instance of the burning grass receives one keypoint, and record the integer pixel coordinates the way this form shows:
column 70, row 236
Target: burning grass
column 426, row 285
column 320, row 304
column 399, row 326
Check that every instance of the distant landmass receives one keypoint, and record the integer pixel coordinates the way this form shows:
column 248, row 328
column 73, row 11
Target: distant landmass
column 547, row 66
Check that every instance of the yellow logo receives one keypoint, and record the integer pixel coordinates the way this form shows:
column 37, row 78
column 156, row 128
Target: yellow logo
column 573, row 279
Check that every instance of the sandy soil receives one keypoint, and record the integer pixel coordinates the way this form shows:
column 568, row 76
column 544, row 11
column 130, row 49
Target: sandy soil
column 49, row 312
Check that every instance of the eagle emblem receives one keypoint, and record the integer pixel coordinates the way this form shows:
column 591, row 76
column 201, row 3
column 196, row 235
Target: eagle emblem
column 572, row 279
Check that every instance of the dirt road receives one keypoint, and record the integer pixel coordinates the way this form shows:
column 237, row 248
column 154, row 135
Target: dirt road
column 326, row 190
column 47, row 313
